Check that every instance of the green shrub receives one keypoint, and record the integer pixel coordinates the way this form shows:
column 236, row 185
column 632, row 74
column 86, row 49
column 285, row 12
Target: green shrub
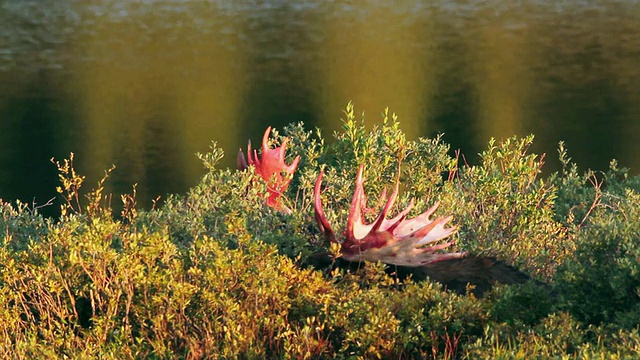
column 557, row 336
column 215, row 273
column 507, row 212
column 601, row 282
column 19, row 224
column 521, row 306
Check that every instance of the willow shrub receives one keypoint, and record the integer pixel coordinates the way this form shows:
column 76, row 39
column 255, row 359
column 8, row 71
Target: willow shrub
column 215, row 273
column 607, row 260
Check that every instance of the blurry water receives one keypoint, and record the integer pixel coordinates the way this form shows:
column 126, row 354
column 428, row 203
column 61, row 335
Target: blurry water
column 146, row 84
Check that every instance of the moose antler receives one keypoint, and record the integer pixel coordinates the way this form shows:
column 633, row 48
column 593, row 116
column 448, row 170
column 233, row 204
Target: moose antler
column 271, row 168
column 397, row 241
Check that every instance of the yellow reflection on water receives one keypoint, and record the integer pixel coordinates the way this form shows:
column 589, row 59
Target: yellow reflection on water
column 368, row 58
column 155, row 88
column 502, row 83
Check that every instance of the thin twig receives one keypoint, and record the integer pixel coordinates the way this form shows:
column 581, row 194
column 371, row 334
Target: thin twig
column 596, row 199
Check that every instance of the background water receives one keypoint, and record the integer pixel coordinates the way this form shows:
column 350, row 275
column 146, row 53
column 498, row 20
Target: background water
column 146, row 84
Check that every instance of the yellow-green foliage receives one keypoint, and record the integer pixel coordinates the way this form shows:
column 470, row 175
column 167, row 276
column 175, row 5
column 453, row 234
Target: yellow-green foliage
column 216, row 274
column 151, row 299
column 507, row 211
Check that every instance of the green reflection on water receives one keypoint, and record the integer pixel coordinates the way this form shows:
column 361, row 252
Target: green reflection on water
column 376, row 59
column 145, row 85
column 164, row 94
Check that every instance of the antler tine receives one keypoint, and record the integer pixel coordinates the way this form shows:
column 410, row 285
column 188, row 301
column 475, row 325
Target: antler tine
column 321, row 219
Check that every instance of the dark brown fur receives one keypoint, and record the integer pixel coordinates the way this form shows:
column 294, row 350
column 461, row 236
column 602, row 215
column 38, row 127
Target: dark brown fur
column 480, row 271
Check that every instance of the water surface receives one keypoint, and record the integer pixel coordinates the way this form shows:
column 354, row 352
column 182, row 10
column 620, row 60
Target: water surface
column 146, row 84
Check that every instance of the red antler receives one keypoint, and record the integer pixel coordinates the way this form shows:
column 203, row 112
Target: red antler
column 272, row 168
column 399, row 241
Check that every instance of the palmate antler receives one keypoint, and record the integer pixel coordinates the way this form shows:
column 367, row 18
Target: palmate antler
column 271, row 168
column 397, row 241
